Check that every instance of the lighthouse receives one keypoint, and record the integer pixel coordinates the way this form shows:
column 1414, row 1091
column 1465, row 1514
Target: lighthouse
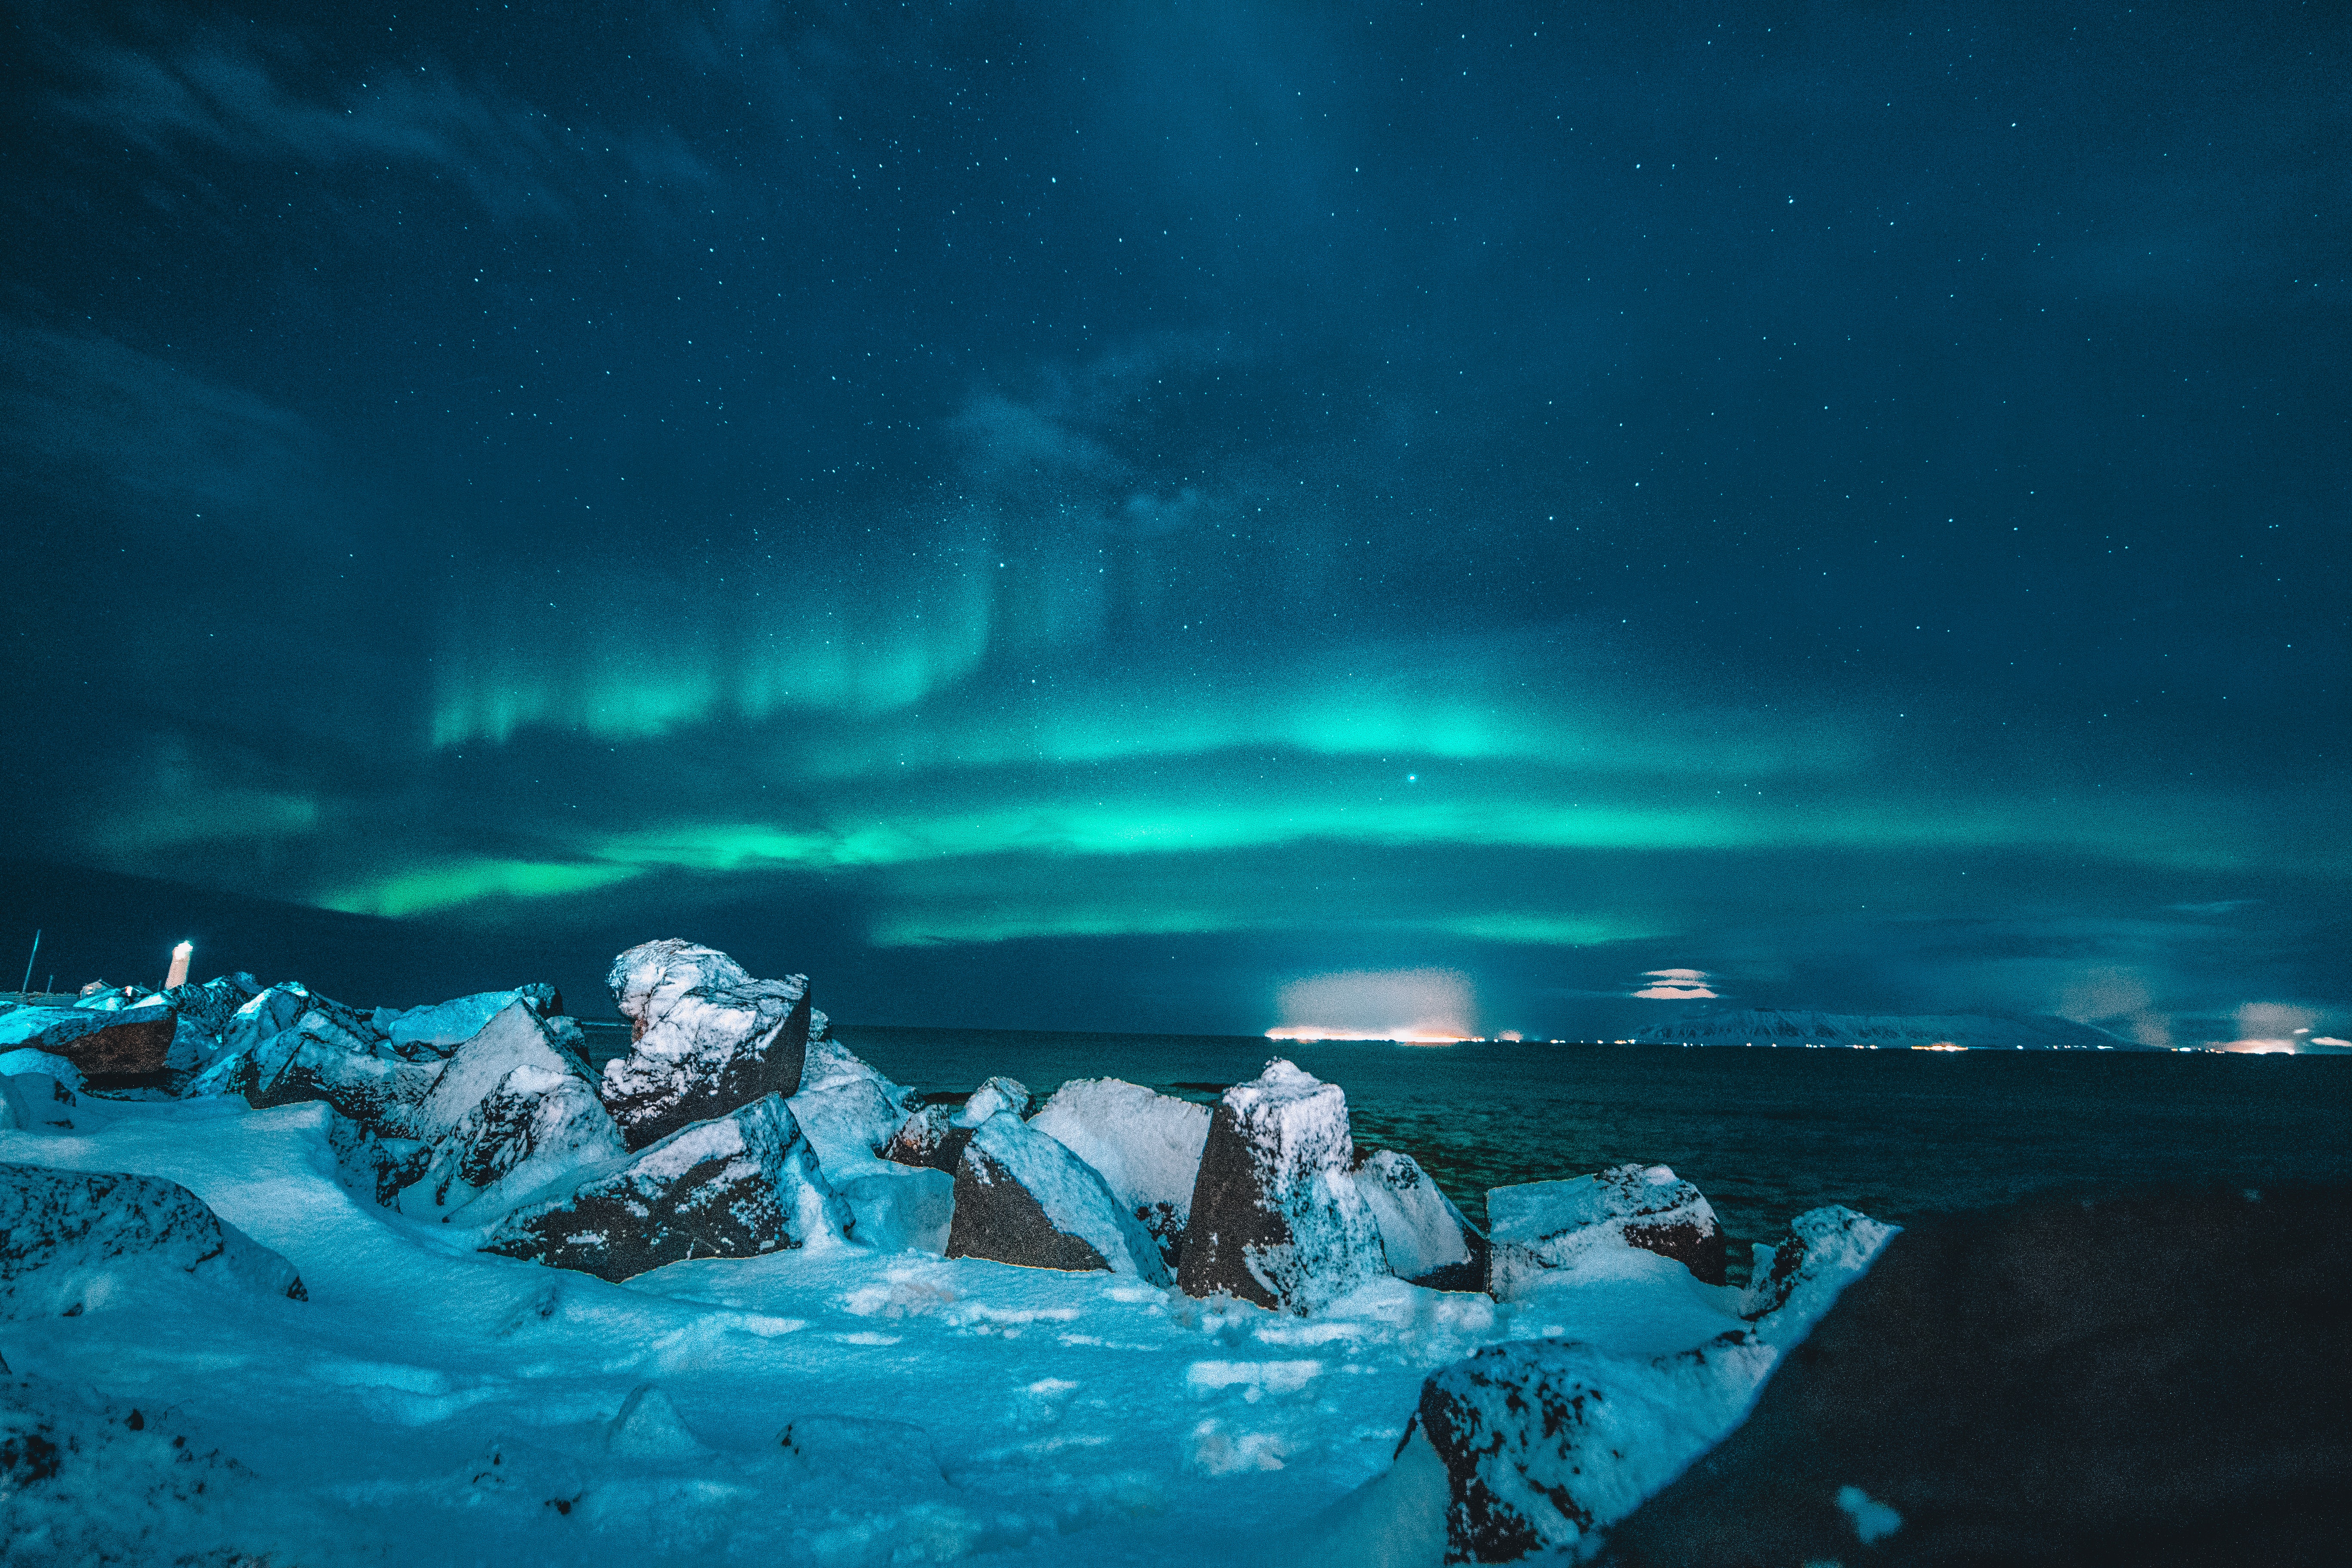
column 179, row 975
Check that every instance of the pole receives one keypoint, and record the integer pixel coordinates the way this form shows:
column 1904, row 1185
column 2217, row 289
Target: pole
column 29, row 957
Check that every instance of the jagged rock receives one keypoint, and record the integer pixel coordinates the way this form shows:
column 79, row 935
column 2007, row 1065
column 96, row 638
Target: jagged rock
column 512, row 1112
column 98, row 996
column 2155, row 1379
column 318, row 1060
column 1423, row 1237
column 1276, row 1216
column 371, row 1164
column 1541, row 1226
column 435, row 1031
column 1146, row 1146
column 35, row 1103
column 934, row 1135
column 928, row 1137
column 515, row 1036
column 708, row 1038
column 210, row 1005
column 1546, row 1441
column 846, row 1109
column 530, row 1130
column 1021, row 1197
column 738, row 1185
column 63, row 1235
column 129, row 1043
column 1825, row 1249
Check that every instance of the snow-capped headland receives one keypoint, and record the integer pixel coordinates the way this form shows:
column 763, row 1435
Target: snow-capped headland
column 284, row 1277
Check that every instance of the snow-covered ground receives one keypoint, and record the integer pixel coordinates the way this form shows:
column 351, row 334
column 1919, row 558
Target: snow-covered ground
column 838, row 1401
column 368, row 1416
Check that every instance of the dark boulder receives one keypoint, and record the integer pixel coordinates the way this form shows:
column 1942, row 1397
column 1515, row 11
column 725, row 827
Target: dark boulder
column 1021, row 1197
column 739, row 1185
column 108, row 1047
column 1276, row 1217
column 66, row 1236
column 317, row 1060
column 707, row 1038
column 512, row 1112
column 1543, row 1225
column 933, row 1134
column 2153, row 1380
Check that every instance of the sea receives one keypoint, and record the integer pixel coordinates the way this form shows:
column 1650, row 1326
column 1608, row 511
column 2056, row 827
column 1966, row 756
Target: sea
column 1765, row 1132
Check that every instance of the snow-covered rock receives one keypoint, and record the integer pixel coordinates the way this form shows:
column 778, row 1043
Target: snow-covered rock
column 263, row 1016
column 846, row 1109
column 1541, row 1226
column 1276, row 1217
column 1145, row 1145
column 440, row 1028
column 318, row 1060
column 1546, row 1441
column 997, row 1093
column 68, row 1236
column 35, row 1103
column 49, row 1064
column 210, row 1005
column 372, row 1164
column 1021, row 1197
column 513, row 1110
column 900, row 1210
column 1423, row 1237
column 1798, row 1280
column 737, row 1186
column 928, row 1137
column 98, row 996
column 530, row 1130
column 130, row 1042
column 708, row 1038
column 515, row 1036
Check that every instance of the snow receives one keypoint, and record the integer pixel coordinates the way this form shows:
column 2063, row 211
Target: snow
column 854, row 1400
column 446, row 1024
column 997, row 1094
column 1145, row 1144
column 47, row 1063
column 1420, row 1230
column 35, row 1102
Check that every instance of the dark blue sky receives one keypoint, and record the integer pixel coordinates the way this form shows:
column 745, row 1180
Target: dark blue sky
column 1088, row 516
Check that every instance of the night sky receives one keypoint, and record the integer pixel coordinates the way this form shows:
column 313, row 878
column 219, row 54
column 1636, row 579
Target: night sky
column 1098, row 516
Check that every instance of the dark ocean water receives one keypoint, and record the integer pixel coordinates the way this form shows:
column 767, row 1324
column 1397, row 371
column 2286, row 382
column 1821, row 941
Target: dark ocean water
column 1765, row 1134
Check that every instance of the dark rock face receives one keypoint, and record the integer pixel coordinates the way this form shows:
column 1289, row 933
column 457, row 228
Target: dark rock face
column 1146, row 1146
column 708, row 1038
column 129, row 1044
column 373, row 1165
column 1275, row 1215
column 211, row 1006
column 61, row 1231
column 1542, row 1226
column 2155, row 1380
column 928, row 1138
column 531, row 1129
column 738, row 1185
column 1021, row 1197
column 302, row 1064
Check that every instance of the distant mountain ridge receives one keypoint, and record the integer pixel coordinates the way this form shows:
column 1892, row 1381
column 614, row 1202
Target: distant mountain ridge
column 1802, row 1026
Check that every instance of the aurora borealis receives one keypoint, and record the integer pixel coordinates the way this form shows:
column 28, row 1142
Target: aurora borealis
column 1091, row 517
